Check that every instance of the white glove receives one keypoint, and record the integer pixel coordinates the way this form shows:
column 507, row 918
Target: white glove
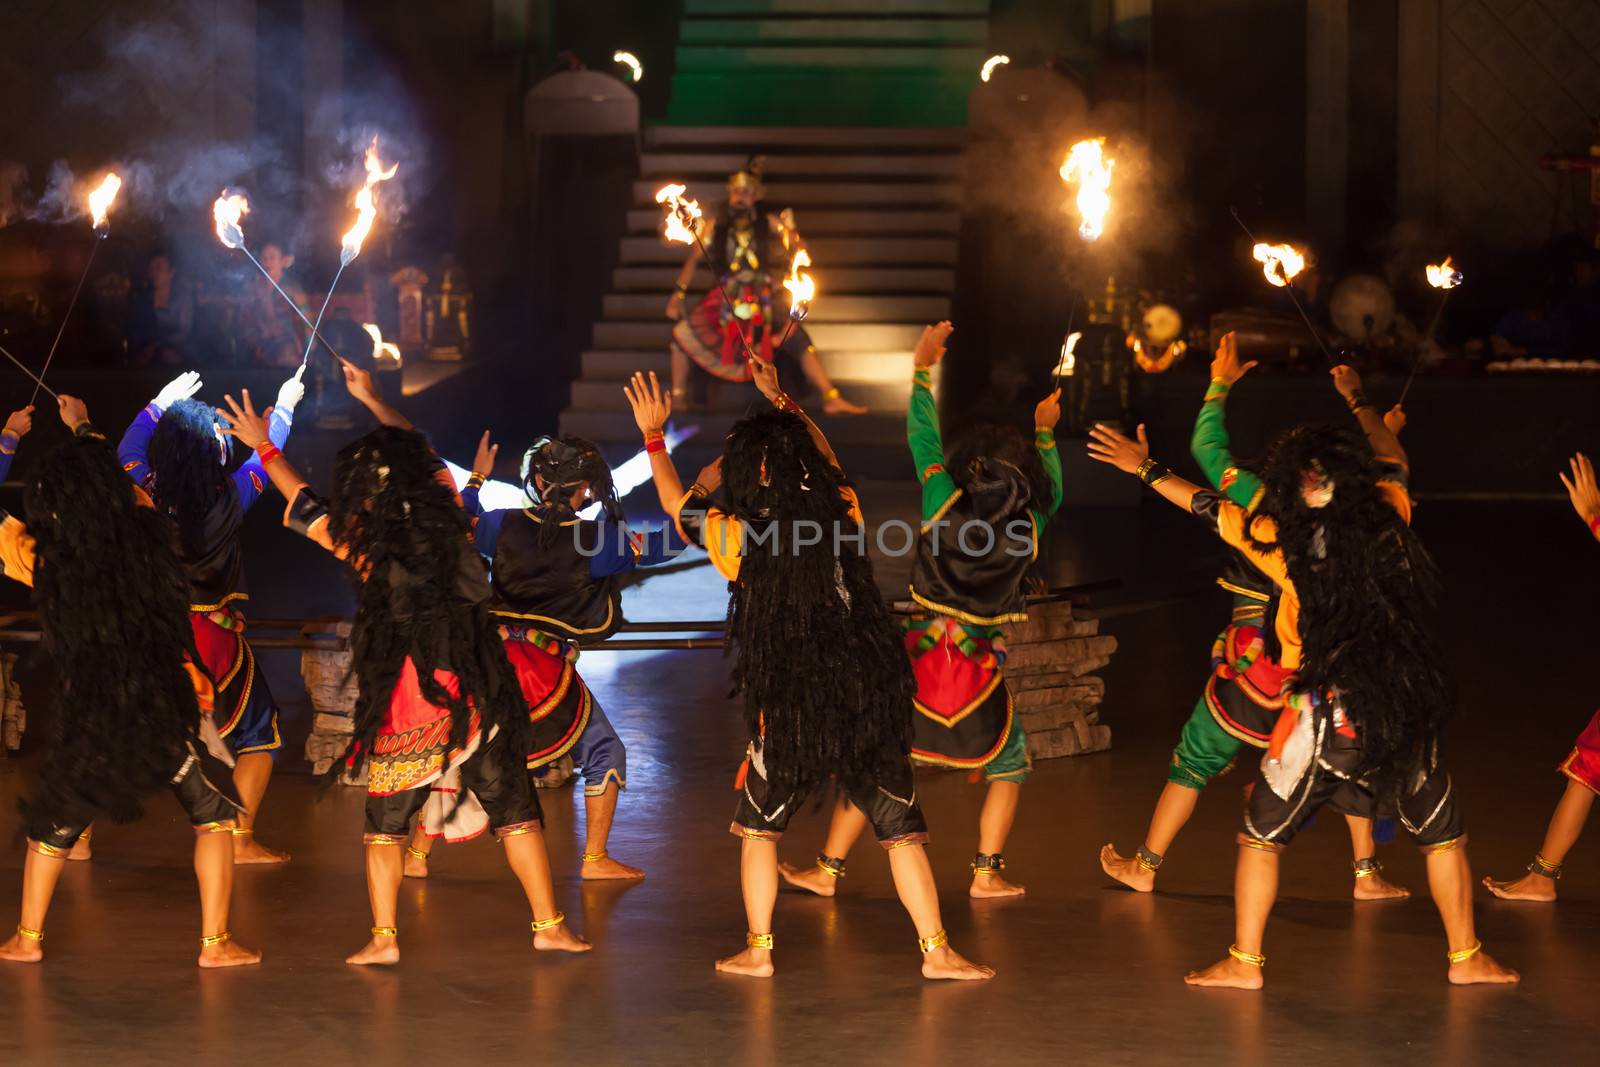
column 182, row 387
column 290, row 393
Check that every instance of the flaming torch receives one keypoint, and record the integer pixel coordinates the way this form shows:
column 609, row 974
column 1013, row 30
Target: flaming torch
column 1089, row 168
column 1281, row 264
column 228, row 211
column 802, row 290
column 1444, row 277
column 683, row 224
column 384, row 353
column 990, row 64
column 366, row 205
column 100, row 201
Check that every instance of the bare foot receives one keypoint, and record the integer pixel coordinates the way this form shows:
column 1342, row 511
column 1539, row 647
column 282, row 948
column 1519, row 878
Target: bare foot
column 840, row 406
column 228, row 954
column 1482, row 970
column 246, row 849
column 560, row 939
column 413, row 867
column 1534, row 887
column 1126, row 870
column 380, row 951
column 811, row 879
column 946, row 962
column 752, row 962
column 1227, row 973
column 22, row 950
column 608, row 869
column 1377, row 887
column 992, row 885
column 81, row 850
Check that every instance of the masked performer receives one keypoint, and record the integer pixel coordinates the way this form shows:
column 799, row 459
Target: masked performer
column 557, row 580
column 750, row 249
column 1367, row 698
column 981, row 522
column 1582, row 767
column 436, row 697
column 818, row 662
column 1243, row 697
column 176, row 452
column 131, row 699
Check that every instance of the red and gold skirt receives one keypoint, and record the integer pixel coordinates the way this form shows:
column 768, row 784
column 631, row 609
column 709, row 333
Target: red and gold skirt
column 1583, row 765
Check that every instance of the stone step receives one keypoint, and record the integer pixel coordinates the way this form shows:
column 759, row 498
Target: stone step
column 969, row 8
column 862, row 337
column 710, row 192
column 841, row 309
column 834, row 31
column 788, row 138
column 606, row 396
column 890, row 367
column 660, row 280
column 835, row 251
column 836, row 223
column 617, row 425
column 895, row 98
column 680, row 166
column 813, row 60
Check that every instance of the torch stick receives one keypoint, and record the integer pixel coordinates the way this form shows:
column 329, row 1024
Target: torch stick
column 343, row 262
column 1071, row 318
column 688, row 223
column 794, row 320
column 287, row 299
column 1293, row 296
column 1416, row 364
column 39, row 382
column 39, row 378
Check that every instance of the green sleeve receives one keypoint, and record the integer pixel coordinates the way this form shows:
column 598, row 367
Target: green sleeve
column 1050, row 456
column 1211, row 450
column 927, row 447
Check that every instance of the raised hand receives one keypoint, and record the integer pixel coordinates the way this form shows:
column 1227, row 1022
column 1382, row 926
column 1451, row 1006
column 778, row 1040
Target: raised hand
column 1225, row 365
column 765, row 375
column 1048, row 411
column 291, row 392
column 20, row 422
column 710, row 476
column 240, row 420
column 182, row 387
column 1346, row 380
column 1581, row 488
column 930, row 346
column 483, row 461
column 651, row 407
column 73, row 411
column 1395, row 419
column 1109, row 446
column 358, row 382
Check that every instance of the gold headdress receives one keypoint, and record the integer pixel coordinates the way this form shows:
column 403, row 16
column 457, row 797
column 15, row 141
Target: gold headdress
column 749, row 176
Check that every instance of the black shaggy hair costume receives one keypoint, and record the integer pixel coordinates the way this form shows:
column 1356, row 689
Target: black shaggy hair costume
column 114, row 604
column 409, row 540
column 819, row 661
column 1368, row 589
column 564, row 464
column 999, row 470
column 190, row 477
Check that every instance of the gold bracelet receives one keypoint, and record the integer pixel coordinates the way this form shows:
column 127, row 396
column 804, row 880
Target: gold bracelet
column 938, row 940
column 385, row 931
column 1465, row 954
column 595, row 857
column 212, row 940
column 31, row 935
column 1251, row 958
column 547, row 924
column 758, row 941
column 416, row 854
column 1144, row 469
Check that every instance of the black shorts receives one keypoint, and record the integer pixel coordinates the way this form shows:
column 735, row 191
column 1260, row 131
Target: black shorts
column 890, row 805
column 204, row 803
column 507, row 796
column 1427, row 807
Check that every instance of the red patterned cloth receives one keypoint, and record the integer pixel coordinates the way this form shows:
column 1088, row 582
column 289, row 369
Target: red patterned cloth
column 558, row 701
column 1583, row 765
column 412, row 748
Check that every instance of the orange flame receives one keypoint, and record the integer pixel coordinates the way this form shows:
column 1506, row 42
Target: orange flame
column 102, row 198
column 384, row 352
column 229, row 210
column 1280, row 263
column 366, row 204
column 681, row 213
column 1088, row 166
column 1444, row 275
column 802, row 287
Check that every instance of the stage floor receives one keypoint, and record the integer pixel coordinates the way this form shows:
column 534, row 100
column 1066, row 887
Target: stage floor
column 1088, row 972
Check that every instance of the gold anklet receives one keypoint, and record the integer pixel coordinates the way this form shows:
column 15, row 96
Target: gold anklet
column 758, row 941
column 385, row 931
column 1366, row 868
column 547, row 924
column 832, row 393
column 938, row 940
column 241, row 831
column 212, row 940
column 1251, row 958
column 1544, row 868
column 416, row 854
column 832, row 866
column 31, row 935
column 1465, row 954
column 1148, row 861
column 596, row 857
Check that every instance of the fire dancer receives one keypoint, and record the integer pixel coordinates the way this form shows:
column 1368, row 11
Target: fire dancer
column 1366, row 697
column 436, row 695
column 132, row 701
column 556, row 580
column 175, row 450
column 826, row 686
column 1006, row 487
column 750, row 248
column 1243, row 698
column 1582, row 767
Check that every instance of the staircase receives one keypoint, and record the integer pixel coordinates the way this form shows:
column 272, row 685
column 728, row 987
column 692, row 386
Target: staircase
column 878, row 208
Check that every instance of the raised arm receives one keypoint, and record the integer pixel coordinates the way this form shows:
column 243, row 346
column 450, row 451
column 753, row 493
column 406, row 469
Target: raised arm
column 482, row 467
column 1133, row 457
column 651, row 409
column 680, row 289
column 359, row 383
column 249, row 478
column 765, row 375
column 305, row 514
column 1385, row 445
column 1210, row 444
column 17, row 426
column 1583, row 492
column 922, row 422
column 1045, row 416
column 133, row 449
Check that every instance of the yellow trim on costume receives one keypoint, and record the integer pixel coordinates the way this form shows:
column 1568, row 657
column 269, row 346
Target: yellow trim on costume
column 1240, row 590
column 529, row 512
column 610, row 611
column 972, row 705
column 1219, row 717
column 962, row 616
column 206, row 609
column 585, row 709
column 949, row 503
column 1565, row 768
column 599, row 788
column 933, row 759
column 1255, row 500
